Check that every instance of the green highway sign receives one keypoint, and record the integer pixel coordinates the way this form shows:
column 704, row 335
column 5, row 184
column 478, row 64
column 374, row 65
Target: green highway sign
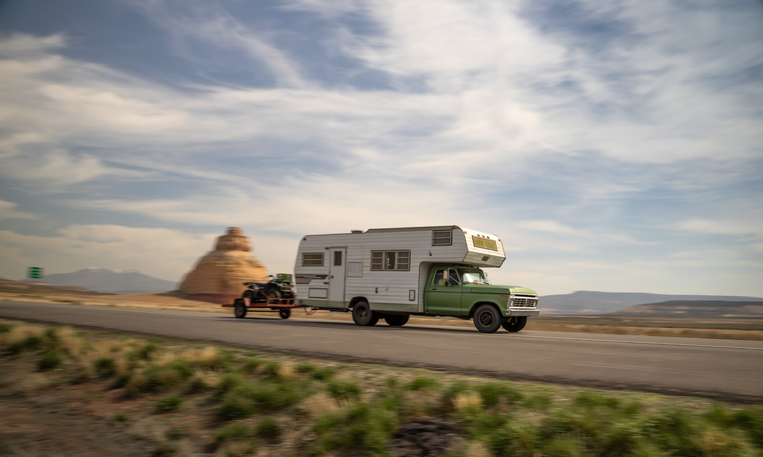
column 35, row 272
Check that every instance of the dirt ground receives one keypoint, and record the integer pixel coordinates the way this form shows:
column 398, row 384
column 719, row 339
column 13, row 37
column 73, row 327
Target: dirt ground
column 740, row 329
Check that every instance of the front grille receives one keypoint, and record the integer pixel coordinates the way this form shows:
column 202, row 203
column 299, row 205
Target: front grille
column 524, row 303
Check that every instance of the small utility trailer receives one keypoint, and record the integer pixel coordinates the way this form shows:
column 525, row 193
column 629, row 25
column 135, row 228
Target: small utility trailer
column 275, row 295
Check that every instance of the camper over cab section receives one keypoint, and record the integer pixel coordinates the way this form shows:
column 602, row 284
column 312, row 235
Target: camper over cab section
column 394, row 273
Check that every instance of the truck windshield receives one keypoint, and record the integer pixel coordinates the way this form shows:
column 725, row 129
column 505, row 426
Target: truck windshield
column 474, row 277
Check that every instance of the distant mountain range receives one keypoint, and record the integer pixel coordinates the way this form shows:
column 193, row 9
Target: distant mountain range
column 115, row 282
column 696, row 309
column 588, row 302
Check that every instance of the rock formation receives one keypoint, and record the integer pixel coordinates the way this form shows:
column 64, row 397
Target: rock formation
column 219, row 276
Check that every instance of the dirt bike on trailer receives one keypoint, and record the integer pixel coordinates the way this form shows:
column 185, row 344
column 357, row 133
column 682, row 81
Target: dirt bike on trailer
column 274, row 295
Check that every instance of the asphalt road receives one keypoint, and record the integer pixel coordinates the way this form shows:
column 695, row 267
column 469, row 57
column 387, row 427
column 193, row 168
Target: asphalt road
column 723, row 369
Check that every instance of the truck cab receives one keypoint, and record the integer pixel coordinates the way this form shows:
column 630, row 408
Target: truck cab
column 462, row 290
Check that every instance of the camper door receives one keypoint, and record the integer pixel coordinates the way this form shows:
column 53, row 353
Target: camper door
column 337, row 275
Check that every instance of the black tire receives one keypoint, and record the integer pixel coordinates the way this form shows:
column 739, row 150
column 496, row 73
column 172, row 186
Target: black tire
column 362, row 314
column 274, row 293
column 239, row 309
column 397, row 320
column 284, row 313
column 515, row 324
column 487, row 319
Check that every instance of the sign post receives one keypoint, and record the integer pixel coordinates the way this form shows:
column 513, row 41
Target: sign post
column 35, row 272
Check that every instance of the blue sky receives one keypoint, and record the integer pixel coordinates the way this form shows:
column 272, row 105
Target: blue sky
column 613, row 147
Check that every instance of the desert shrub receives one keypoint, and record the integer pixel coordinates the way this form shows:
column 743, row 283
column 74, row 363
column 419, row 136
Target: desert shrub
column 49, row 361
column 563, row 446
column 251, row 365
column 671, row 428
column 591, row 400
column 233, row 431
column 538, row 402
column 177, row 432
column 235, row 406
column 344, row 390
column 327, row 422
column 751, row 421
column 161, row 378
column 52, row 333
column 143, row 353
column 105, row 367
column 121, row 381
column 323, row 374
column 208, row 357
column 195, row 385
column 492, row 393
column 271, row 369
column 168, row 404
column 267, row 428
column 516, row 438
column 305, row 368
column 269, row 396
column 30, row 343
column 81, row 377
column 164, row 449
column 452, row 391
column 421, row 383
column 121, row 417
column 227, row 382
column 365, row 427
column 181, row 367
column 5, row 328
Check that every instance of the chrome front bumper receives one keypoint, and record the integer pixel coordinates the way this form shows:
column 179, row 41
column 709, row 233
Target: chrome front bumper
column 522, row 312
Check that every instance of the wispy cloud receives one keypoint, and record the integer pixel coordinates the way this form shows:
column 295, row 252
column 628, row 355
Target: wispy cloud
column 8, row 211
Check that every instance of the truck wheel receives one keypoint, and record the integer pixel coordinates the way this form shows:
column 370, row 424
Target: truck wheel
column 284, row 313
column 362, row 314
column 397, row 320
column 515, row 324
column 487, row 319
column 239, row 309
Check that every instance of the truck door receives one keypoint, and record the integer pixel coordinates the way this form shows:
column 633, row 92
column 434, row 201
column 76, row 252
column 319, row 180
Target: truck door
column 444, row 293
column 336, row 277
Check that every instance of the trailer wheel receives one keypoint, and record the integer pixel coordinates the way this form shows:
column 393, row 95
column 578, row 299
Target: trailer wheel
column 284, row 313
column 362, row 314
column 487, row 319
column 397, row 320
column 515, row 324
column 239, row 309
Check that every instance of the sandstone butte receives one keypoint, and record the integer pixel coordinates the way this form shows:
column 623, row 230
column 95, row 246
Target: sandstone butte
column 218, row 277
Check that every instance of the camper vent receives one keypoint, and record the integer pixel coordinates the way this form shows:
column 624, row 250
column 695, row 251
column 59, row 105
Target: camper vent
column 442, row 237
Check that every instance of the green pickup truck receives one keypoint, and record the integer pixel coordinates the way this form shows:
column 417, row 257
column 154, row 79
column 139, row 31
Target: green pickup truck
column 465, row 292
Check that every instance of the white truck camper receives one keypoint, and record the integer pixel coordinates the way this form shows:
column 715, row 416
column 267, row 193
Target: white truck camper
column 393, row 273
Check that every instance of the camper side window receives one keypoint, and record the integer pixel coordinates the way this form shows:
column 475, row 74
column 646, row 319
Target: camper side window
column 312, row 260
column 442, row 237
column 390, row 260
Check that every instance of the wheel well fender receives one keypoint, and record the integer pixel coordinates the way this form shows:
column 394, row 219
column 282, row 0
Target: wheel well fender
column 478, row 304
column 355, row 301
